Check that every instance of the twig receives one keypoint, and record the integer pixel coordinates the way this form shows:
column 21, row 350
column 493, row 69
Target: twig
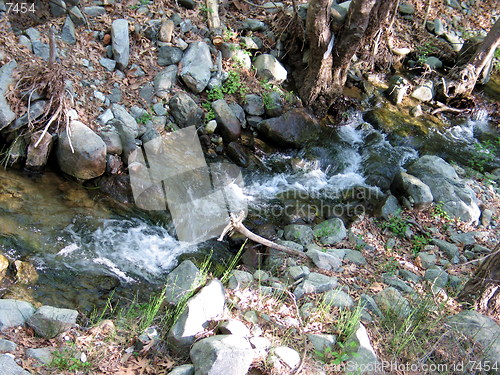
column 429, row 4
column 52, row 46
column 301, row 323
column 445, row 108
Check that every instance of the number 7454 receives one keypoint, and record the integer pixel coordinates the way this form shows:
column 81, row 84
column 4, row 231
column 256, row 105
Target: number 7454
column 20, row 7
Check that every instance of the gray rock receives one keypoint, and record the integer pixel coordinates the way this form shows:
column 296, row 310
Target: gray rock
column 41, row 50
column 369, row 304
column 168, row 55
column 68, row 31
column 297, row 272
column 109, row 64
column 398, row 87
column 273, row 104
column 269, row 68
column 455, row 41
column 406, row 9
column 239, row 113
column 7, row 346
column 6, row 74
column 159, row 109
column 324, row 260
column 458, row 199
column 427, row 259
column 480, row 329
column 254, row 105
column 438, row 27
column 128, row 122
column 315, row 283
column 391, row 302
column 185, row 111
column 6, row 113
column 188, row 4
column 322, row 342
column 339, row 12
column 37, row 109
column 94, row 11
column 296, row 128
column 9, row 367
column 196, row 66
column 25, row 41
column 254, row 121
column 486, row 217
column 330, row 232
column 413, row 189
column 77, row 16
column 254, row 25
column 206, row 305
column 289, row 356
column 365, row 359
column 390, row 207
column 234, row 327
column 165, row 80
column 409, row 276
column 89, row 157
column 227, row 123
column 451, row 251
column 181, row 281
column 433, row 62
column 338, row 298
column 120, row 43
column 112, row 139
column 237, row 154
column 248, row 42
column 424, row 92
column 33, row 34
column 182, row 370
column 298, row 233
column 43, row 355
column 222, row 354
column 397, row 283
column 239, row 279
column 437, row 276
column 355, row 257
column 466, row 238
column 37, row 157
column 57, row 8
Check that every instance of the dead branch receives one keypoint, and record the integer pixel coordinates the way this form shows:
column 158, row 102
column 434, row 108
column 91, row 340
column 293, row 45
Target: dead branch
column 236, row 224
column 52, row 46
column 213, row 15
column 445, row 108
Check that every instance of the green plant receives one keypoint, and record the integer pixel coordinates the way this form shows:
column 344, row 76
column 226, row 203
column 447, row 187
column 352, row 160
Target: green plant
column 209, row 114
column 66, row 359
column 396, row 225
column 390, row 266
column 419, row 242
column 424, row 51
column 144, row 118
column 439, row 212
column 229, row 34
column 485, row 152
column 330, row 356
column 348, row 321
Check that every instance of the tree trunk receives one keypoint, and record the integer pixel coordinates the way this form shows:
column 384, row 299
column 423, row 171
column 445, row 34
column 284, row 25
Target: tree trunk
column 483, row 288
column 461, row 80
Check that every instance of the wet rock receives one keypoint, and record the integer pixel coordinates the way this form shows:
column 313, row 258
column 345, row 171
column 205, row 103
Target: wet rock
column 239, row 280
column 222, row 354
column 288, row 356
column 120, row 43
column 89, row 157
column 26, row 273
column 237, row 154
column 398, row 87
column 68, row 31
column 364, row 357
column 196, row 66
column 330, row 232
column 181, row 281
column 43, row 355
column 9, row 367
column 165, row 80
column 424, row 92
column 37, row 157
column 315, row 283
column 7, row 346
column 325, row 260
column 391, row 302
column 185, row 111
column 168, row 55
column 413, row 189
column 298, row 233
column 48, row 321
column 338, row 298
column 228, row 124
column 165, row 32
column 296, row 128
column 254, row 105
column 269, row 68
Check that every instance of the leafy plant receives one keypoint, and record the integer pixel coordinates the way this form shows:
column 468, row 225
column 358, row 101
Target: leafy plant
column 66, row 360
column 419, row 242
column 330, row 356
column 209, row 114
column 438, row 211
column 396, row 225
column 144, row 118
column 485, row 152
column 424, row 51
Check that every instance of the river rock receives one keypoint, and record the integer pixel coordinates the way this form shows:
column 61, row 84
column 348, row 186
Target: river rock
column 182, row 280
column 315, row 283
column 48, row 321
column 14, row 313
column 185, row 111
column 254, row 105
column 9, row 367
column 6, row 74
column 168, row 55
column 294, row 129
column 413, row 189
column 37, row 109
column 451, row 251
column 363, row 358
column 298, row 233
column 325, row 260
column 4, row 264
column 237, row 154
column 37, row 157
column 89, row 157
column 206, row 305
column 269, row 68
column 164, row 81
column 196, row 66
column 222, row 354
column 330, row 232
column 338, row 298
column 68, row 31
column 391, row 302
column 398, row 87
column 424, row 92
column 458, row 199
column 120, row 43
column 227, row 123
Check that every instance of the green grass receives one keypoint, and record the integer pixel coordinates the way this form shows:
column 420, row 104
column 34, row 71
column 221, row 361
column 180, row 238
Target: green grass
column 66, row 359
column 396, row 224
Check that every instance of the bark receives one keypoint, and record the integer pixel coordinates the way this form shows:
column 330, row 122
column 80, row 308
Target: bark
column 461, row 80
column 483, row 288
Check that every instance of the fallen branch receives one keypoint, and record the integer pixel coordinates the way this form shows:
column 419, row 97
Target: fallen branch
column 236, row 224
column 445, row 108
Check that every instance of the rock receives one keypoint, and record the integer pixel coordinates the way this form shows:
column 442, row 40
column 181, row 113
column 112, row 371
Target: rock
column 409, row 276
column 438, row 27
column 294, row 129
column 182, row 370
column 234, row 327
column 164, row 81
column 416, row 111
column 94, row 11
column 369, row 304
column 254, row 25
column 185, row 111
column 9, row 367
column 433, row 62
column 25, row 272
column 406, row 9
column 239, row 280
column 427, row 260
column 37, row 109
column 128, row 123
column 89, row 157
column 315, row 283
column 188, row 4
column 48, row 321
column 392, row 280
column 57, row 8
column 120, row 43
column 273, row 104
column 269, row 68
column 237, row 154
column 391, row 302
column 466, row 238
column 68, row 31
column 297, row 272
column 4, row 264
column 165, row 32
column 445, row 185
column 239, row 113
column 250, row 43
column 322, row 342
column 109, row 64
column 355, row 257
column 206, row 305
column 398, row 87
column 413, row 189
column 211, row 126
column 38, row 156
column 339, row 12
column 451, row 251
column 324, row 260
column 222, row 354
column 76, row 16
column 112, row 139
column 364, row 360
column 254, row 105
column 168, row 55
column 289, row 356
column 424, row 92
column 6, row 113
column 114, row 164
column 480, row 329
column 181, row 281
column 436, row 276
column 330, row 232
column 43, row 355
column 196, row 66
column 455, row 41
column 7, row 346
column 298, row 233
column 338, row 298
column 6, row 74
column 26, row 42
column 228, row 124
column 486, row 217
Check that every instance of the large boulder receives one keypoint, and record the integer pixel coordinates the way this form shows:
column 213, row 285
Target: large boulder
column 458, row 199
column 196, row 66
column 120, row 43
column 48, row 321
column 222, row 354
column 9, row 367
column 89, row 157
column 14, row 313
column 185, row 110
column 182, row 280
column 269, row 68
column 293, row 129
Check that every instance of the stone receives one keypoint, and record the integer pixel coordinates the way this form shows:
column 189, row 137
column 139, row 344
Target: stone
column 260, row 346
column 451, row 251
column 486, row 217
column 114, row 164
column 89, row 157
column 211, row 126
column 37, row 157
column 239, row 280
column 406, row 9
column 413, row 189
column 37, row 110
column 298, row 233
column 120, row 43
column 273, row 104
column 296, row 128
column 398, row 87
column 322, row 342
column 427, row 260
column 438, row 27
column 7, row 346
column 109, row 64
column 324, row 260
column 249, row 43
column 112, row 139
column 369, row 304
column 458, row 199
column 391, row 302
column 287, row 355
column 234, row 327
column 205, row 306
column 228, row 124
column 436, row 276
column 185, row 111
column 6, row 114
column 433, row 62
column 26, row 42
column 254, row 25
column 94, row 11
column 424, row 92
column 254, row 105
column 68, row 31
column 76, row 16
column 338, row 298
column 164, row 81
column 182, row 370
column 363, row 357
column 330, row 232
column 185, row 278
column 480, row 329
column 9, row 367
column 298, row 272
column 57, row 8
column 355, row 256
column 166, row 30
column 409, row 276
column 395, row 282
column 455, row 41
column 222, row 354
column 339, row 11
column 168, row 55
column 237, row 154
column 269, row 68
column 43, row 355
column 188, row 4
column 48, row 321
column 128, row 124
column 239, row 113
column 196, row 66
column 315, row 283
